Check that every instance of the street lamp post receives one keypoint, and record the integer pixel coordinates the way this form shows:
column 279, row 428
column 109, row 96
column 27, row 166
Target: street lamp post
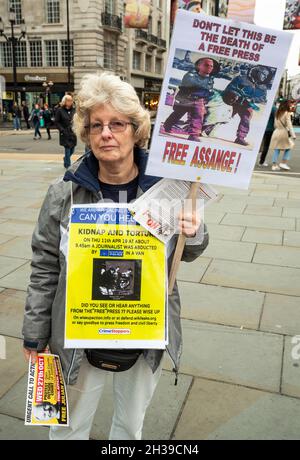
column 48, row 85
column 13, row 40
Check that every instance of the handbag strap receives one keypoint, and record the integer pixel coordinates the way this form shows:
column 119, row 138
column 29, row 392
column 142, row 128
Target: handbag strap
column 284, row 126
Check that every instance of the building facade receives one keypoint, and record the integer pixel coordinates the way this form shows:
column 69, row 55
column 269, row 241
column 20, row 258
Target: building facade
column 97, row 42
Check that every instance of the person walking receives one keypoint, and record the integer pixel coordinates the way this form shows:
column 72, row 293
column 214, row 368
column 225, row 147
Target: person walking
column 16, row 114
column 26, row 114
column 267, row 137
column 283, row 136
column 35, row 118
column 47, row 119
column 111, row 120
column 63, row 119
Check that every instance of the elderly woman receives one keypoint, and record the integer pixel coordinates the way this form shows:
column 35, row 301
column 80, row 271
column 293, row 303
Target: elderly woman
column 112, row 122
column 64, row 119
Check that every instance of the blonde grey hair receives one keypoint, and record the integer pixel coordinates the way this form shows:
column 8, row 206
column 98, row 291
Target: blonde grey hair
column 65, row 98
column 98, row 89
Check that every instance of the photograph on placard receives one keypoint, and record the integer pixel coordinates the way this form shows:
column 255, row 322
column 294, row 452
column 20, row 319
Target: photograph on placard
column 215, row 97
column 292, row 15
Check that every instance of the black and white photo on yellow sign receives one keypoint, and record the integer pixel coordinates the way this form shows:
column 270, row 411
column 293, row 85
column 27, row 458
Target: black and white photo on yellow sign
column 116, row 279
column 215, row 97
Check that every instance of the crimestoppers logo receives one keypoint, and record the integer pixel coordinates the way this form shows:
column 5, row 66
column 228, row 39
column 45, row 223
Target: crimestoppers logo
column 2, row 347
column 296, row 348
column 115, row 331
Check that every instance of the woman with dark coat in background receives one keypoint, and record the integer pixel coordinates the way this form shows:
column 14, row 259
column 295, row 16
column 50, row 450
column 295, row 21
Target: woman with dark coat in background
column 64, row 119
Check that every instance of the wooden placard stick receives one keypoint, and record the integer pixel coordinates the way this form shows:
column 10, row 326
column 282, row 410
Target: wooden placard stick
column 181, row 240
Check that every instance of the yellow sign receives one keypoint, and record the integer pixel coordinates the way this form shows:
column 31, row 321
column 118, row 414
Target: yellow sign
column 116, row 281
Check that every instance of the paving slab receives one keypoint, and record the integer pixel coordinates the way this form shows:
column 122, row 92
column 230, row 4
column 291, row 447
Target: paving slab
column 5, row 238
column 281, row 314
column 271, row 193
column 8, row 265
column 230, row 250
column 283, row 256
column 229, row 354
column 14, row 366
column 291, row 238
column 298, row 225
column 279, row 223
column 231, row 191
column 220, row 411
column 19, row 213
column 212, row 217
column 257, row 277
column 19, row 246
column 262, row 235
column 14, row 429
column 17, row 228
column 236, row 206
column 255, row 187
column 161, row 415
column 257, row 210
column 292, row 187
column 294, row 195
column 286, row 203
column 17, row 279
column 291, row 212
column 20, row 201
column 12, row 304
column 191, row 271
column 225, row 232
column 215, row 304
column 291, row 366
column 259, row 200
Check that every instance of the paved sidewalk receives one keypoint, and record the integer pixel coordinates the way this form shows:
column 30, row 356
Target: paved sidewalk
column 241, row 310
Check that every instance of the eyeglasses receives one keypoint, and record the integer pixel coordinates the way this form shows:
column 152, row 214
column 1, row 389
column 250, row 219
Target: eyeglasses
column 117, row 126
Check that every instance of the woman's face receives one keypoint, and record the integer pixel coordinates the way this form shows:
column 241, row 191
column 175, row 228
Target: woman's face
column 110, row 147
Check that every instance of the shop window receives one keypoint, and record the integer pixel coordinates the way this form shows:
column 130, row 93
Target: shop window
column 51, row 53
column 136, row 64
column 5, row 54
column 36, row 56
column 64, row 53
column 53, row 11
column 16, row 6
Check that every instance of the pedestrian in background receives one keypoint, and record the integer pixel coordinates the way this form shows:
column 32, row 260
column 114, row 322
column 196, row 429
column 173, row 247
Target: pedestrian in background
column 47, row 119
column 267, row 137
column 283, row 136
column 26, row 114
column 16, row 115
column 64, row 119
column 35, row 118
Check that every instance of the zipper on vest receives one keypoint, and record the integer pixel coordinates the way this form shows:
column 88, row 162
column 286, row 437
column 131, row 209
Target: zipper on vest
column 71, row 366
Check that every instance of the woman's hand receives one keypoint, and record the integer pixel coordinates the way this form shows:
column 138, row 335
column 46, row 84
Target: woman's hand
column 189, row 223
column 33, row 354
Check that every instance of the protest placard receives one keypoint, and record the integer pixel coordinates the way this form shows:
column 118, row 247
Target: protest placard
column 47, row 402
column 292, row 14
column 220, row 83
column 116, row 281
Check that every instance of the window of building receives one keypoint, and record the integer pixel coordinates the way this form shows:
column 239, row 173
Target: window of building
column 150, row 25
column 109, row 56
column 36, row 55
column 51, row 53
column 159, row 29
column 21, row 54
column 158, row 65
column 64, row 53
column 5, row 54
column 137, row 57
column 110, row 6
column 53, row 12
column 148, row 63
column 16, row 6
